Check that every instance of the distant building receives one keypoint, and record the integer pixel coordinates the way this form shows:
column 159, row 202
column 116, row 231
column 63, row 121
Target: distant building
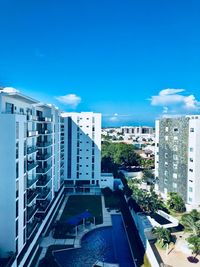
column 177, row 158
column 83, row 148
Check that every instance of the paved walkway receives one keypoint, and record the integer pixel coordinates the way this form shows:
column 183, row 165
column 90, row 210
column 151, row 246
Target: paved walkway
column 76, row 241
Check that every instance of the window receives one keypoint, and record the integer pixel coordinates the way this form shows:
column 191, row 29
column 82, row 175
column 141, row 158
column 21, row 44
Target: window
column 175, row 175
column 191, row 159
column 166, row 155
column 192, row 130
column 166, row 138
column 166, row 173
column 17, row 130
column 9, row 108
column 166, row 164
column 16, row 228
column 190, row 170
column 17, row 189
column 191, row 149
column 17, row 150
column 190, row 189
column 175, row 138
column 17, row 170
column 190, row 199
column 175, row 148
column 175, row 157
column 175, row 166
column 174, row 185
column 166, row 129
column 17, row 208
column 176, row 130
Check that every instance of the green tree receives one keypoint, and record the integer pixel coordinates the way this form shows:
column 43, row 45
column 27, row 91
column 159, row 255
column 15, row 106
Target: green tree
column 175, row 202
column 191, row 222
column 194, row 244
column 163, row 235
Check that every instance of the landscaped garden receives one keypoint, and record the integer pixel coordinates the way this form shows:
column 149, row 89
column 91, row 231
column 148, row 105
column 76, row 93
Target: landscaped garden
column 76, row 205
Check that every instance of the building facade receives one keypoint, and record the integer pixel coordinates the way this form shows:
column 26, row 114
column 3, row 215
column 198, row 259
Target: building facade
column 40, row 149
column 83, row 148
column 177, row 158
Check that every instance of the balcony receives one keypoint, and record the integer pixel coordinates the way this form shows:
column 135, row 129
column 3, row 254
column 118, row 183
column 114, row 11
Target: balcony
column 32, row 133
column 44, row 144
column 31, row 211
column 31, row 195
column 44, row 156
column 31, row 227
column 44, row 170
column 45, row 131
column 43, row 206
column 43, row 194
column 43, row 180
column 32, row 118
column 31, row 182
column 31, row 165
column 31, row 150
column 44, row 119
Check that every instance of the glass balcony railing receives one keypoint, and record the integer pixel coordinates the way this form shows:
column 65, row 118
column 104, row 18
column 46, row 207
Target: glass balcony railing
column 31, row 211
column 32, row 118
column 44, row 119
column 31, row 165
column 45, row 131
column 44, row 144
column 31, row 227
column 31, row 181
column 43, row 205
column 32, row 133
column 43, row 170
column 31, row 195
column 43, row 180
column 44, row 156
column 42, row 194
column 31, row 149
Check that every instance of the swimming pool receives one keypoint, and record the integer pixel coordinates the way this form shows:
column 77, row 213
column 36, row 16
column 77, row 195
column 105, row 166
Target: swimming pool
column 106, row 244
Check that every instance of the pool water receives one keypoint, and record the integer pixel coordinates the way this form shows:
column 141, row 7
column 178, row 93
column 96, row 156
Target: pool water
column 107, row 244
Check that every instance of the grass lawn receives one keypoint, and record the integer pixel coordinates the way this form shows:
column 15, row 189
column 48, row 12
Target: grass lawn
column 49, row 259
column 80, row 203
column 77, row 204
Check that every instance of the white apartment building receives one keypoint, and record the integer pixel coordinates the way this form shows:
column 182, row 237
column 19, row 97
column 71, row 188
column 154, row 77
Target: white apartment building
column 138, row 132
column 31, row 167
column 41, row 149
column 83, row 148
column 177, row 158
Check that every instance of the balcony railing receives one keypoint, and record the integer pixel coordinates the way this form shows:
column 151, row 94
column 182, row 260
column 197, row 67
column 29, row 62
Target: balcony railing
column 31, row 165
column 44, row 144
column 42, row 194
column 43, row 180
column 45, row 119
column 31, row 149
column 31, row 227
column 32, row 118
column 32, row 133
column 31, row 195
column 43, row 156
column 43, row 170
column 45, row 131
column 43, row 205
column 31, row 181
column 31, row 211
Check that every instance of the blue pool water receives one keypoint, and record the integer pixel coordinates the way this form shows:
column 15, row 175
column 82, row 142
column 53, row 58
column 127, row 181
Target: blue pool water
column 108, row 244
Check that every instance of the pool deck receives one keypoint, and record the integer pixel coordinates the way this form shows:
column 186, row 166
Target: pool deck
column 76, row 241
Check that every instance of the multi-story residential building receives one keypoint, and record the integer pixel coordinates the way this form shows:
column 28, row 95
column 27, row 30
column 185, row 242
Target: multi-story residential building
column 177, row 158
column 31, row 168
column 40, row 148
column 83, row 148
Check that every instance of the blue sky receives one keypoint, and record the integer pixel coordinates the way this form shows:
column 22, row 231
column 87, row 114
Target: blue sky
column 131, row 60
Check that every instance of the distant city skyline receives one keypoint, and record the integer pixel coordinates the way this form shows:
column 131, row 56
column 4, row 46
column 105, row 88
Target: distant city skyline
column 133, row 61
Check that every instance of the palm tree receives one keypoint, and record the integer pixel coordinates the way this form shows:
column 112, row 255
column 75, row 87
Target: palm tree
column 191, row 222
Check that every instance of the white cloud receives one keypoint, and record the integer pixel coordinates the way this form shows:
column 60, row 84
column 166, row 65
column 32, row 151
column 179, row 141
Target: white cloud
column 10, row 90
column 171, row 100
column 71, row 100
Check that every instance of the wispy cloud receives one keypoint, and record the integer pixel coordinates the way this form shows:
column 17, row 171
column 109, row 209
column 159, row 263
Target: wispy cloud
column 71, row 100
column 173, row 100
